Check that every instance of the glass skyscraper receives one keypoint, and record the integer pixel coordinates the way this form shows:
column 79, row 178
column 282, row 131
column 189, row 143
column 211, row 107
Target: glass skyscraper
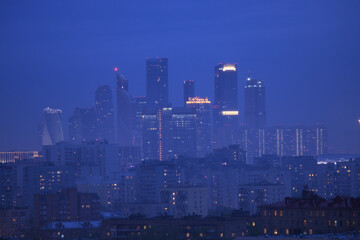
column 225, row 108
column 157, row 89
column 82, row 125
column 125, row 108
column 52, row 128
column 105, row 113
column 255, row 114
column 189, row 90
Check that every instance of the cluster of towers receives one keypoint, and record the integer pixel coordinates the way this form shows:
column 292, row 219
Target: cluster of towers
column 162, row 131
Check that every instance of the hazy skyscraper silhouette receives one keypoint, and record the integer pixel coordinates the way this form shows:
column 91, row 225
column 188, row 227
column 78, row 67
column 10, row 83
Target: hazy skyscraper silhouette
column 255, row 114
column 125, row 109
column 189, row 90
column 225, row 108
column 157, row 92
column 105, row 113
column 52, row 128
column 202, row 107
column 82, row 125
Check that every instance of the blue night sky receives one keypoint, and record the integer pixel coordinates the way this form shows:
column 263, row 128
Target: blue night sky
column 55, row 53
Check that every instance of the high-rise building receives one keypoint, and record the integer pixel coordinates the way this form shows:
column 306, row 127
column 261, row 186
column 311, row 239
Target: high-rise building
column 125, row 109
column 157, row 92
column 52, row 128
column 45, row 178
column 225, row 108
column 82, row 125
column 93, row 158
column 202, row 107
column 151, row 176
column 182, row 133
column 169, row 132
column 255, row 114
column 140, row 105
column 189, row 90
column 226, row 86
column 105, row 113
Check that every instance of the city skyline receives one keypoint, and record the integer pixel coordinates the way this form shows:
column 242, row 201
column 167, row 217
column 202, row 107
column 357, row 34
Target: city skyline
column 286, row 74
column 180, row 119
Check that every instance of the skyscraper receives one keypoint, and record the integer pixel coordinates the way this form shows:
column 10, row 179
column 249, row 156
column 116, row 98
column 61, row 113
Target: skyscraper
column 157, row 91
column 105, row 113
column 182, row 133
column 226, row 86
column 125, row 109
column 150, row 122
column 202, row 107
column 169, row 132
column 225, row 108
column 82, row 125
column 52, row 128
column 255, row 115
column 140, row 105
column 189, row 90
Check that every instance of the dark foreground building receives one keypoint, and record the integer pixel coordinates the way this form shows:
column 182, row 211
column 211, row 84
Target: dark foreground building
column 310, row 215
column 192, row 227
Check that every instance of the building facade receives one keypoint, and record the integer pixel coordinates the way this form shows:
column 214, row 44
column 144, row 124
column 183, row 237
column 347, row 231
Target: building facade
column 104, row 106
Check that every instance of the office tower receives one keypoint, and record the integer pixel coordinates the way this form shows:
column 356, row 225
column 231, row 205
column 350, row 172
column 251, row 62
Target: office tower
column 82, row 125
column 202, row 107
column 52, row 129
column 226, row 87
column 189, row 90
column 225, row 108
column 255, row 115
column 182, row 133
column 140, row 105
column 125, row 111
column 93, row 158
column 157, row 92
column 169, row 132
column 105, row 113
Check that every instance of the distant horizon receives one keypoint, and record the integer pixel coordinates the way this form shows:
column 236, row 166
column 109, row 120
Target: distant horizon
column 306, row 53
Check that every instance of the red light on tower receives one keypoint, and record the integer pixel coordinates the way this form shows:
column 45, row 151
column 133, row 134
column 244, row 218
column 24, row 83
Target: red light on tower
column 116, row 69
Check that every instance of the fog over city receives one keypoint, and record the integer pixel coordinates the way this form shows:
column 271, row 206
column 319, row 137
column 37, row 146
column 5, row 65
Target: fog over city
column 179, row 119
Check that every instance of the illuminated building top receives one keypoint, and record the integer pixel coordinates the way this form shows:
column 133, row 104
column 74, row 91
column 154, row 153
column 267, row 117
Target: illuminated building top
column 52, row 110
column 230, row 113
column 229, row 67
column 198, row 100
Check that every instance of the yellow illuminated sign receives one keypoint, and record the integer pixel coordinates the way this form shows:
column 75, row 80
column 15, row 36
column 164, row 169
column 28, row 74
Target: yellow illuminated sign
column 230, row 113
column 198, row 100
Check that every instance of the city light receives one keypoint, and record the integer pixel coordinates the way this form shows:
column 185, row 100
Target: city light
column 229, row 67
column 198, row 100
column 230, row 113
